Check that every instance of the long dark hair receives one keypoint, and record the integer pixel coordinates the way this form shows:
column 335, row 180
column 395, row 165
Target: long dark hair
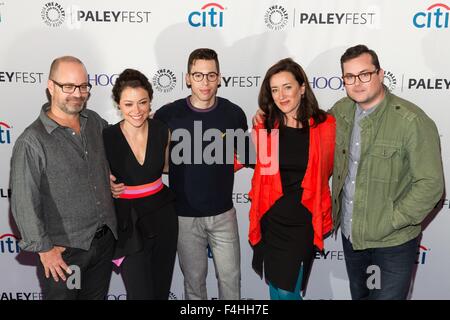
column 308, row 108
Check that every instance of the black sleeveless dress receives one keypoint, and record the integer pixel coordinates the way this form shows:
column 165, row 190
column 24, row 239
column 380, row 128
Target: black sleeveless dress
column 287, row 232
column 140, row 218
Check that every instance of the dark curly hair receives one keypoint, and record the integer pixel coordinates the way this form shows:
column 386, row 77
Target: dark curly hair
column 133, row 79
column 309, row 105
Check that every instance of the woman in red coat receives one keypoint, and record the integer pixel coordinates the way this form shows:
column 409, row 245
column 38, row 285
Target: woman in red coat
column 291, row 204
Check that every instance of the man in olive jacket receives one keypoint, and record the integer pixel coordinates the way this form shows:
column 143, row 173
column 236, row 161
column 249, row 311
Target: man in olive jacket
column 387, row 177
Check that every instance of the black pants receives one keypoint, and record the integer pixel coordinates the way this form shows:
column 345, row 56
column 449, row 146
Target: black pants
column 147, row 274
column 95, row 268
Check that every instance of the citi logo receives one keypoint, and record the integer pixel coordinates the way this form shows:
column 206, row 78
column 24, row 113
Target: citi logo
column 211, row 15
column 436, row 16
column 9, row 243
column 422, row 254
column 5, row 133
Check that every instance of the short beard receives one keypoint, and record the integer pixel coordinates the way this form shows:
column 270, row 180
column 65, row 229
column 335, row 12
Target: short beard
column 73, row 110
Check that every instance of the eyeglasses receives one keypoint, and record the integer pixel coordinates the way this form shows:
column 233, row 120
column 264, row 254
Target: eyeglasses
column 364, row 77
column 198, row 76
column 70, row 88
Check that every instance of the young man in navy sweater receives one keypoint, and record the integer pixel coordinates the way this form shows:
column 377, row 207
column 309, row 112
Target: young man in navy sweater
column 204, row 133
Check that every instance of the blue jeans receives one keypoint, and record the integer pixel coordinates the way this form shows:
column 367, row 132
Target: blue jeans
column 395, row 264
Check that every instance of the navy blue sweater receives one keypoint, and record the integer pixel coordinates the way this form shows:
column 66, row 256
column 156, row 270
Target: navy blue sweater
column 201, row 190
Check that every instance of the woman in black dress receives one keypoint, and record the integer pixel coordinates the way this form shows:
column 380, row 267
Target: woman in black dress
column 136, row 149
column 291, row 205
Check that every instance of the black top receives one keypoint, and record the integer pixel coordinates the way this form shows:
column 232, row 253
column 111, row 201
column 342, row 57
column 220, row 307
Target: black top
column 201, row 189
column 125, row 167
column 294, row 144
column 287, row 233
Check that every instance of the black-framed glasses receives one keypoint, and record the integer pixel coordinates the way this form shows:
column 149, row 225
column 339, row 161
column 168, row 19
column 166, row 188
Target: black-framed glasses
column 363, row 77
column 70, row 88
column 198, row 76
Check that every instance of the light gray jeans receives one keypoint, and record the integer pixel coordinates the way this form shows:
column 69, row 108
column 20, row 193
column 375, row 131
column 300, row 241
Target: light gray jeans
column 221, row 233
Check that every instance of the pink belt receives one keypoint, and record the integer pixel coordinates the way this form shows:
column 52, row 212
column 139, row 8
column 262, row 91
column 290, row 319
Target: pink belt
column 144, row 190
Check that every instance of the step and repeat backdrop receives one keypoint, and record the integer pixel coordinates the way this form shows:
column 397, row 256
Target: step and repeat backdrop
column 411, row 38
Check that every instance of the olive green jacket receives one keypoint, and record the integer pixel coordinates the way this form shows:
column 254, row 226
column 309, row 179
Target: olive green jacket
column 400, row 177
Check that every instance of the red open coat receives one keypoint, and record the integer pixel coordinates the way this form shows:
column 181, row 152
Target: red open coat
column 267, row 189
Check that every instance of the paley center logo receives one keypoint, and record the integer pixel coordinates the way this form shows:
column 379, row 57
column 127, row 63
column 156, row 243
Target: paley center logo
column 5, row 133
column 276, row 17
column 164, row 80
column 9, row 243
column 406, row 82
column 436, row 16
column 390, row 80
column 54, row 15
column 210, row 15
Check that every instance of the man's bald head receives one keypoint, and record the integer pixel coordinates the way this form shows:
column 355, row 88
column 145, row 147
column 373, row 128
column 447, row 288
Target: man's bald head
column 57, row 62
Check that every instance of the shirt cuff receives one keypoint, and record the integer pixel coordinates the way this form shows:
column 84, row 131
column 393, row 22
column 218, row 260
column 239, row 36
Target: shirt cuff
column 36, row 246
